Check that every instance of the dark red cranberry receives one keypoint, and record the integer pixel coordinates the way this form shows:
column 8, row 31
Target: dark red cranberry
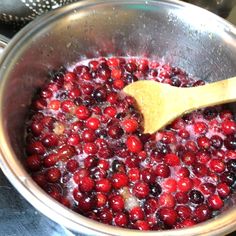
column 147, row 176
column 66, row 152
column 50, row 160
column 50, row 140
column 36, row 148
column 90, row 148
column 228, row 177
column 200, row 170
column 142, row 225
column 88, row 135
column 216, row 141
column 82, row 112
column 181, row 197
column 189, row 158
column 231, row 165
column 230, row 142
column 103, row 185
column 171, row 159
column 196, row 197
column 100, row 94
column 131, row 67
column 216, row 165
column 130, row 78
column 33, row 162
column 118, row 166
column 150, row 205
column 86, row 203
column 210, row 113
column 104, row 73
column 115, row 131
column 37, row 128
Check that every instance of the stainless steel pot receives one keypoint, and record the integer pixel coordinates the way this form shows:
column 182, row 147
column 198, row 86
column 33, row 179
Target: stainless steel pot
column 184, row 35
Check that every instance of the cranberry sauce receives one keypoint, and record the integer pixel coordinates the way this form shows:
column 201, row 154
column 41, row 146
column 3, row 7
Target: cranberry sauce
column 86, row 149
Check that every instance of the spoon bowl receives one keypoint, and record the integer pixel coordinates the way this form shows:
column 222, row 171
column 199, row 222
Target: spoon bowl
column 162, row 103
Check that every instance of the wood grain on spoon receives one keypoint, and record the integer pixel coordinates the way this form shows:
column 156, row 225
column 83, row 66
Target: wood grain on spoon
column 161, row 103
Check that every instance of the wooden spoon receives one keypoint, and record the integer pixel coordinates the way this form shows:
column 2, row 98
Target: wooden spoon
column 161, row 103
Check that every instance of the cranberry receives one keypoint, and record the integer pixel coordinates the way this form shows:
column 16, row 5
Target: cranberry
column 184, row 212
column 228, row 177
column 86, row 203
column 230, row 142
column 50, row 160
column 93, row 123
column 172, row 160
column 117, row 203
column 168, row 216
column 223, row 190
column 115, row 132
column 196, row 197
column 66, row 152
column 201, row 213
column 82, row 112
column 166, row 200
column 118, row 166
column 130, row 125
column 185, row 184
column 53, row 175
column 216, row 141
column 141, row 189
column 100, row 94
column 200, row 170
column 189, row 158
column 133, row 174
column 121, row 219
column 119, row 180
column 136, row 213
column 203, row 142
column 162, row 170
column 142, row 225
column 103, row 185
column 151, row 205
column 36, row 148
column 169, row 185
column 200, row 127
column 228, row 126
column 207, row 188
column 72, row 165
column 215, row 202
column 181, row 197
column 134, row 144
column 217, row 165
column 33, row 162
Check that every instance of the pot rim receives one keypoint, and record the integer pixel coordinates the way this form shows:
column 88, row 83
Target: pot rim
column 22, row 181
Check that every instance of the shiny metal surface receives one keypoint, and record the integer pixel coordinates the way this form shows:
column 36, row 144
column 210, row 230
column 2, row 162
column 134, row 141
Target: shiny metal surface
column 186, row 36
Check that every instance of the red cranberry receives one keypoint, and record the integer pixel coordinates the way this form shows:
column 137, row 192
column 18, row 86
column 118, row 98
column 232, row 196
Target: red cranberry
column 201, row 213
column 162, row 170
column 72, row 165
column 169, row 185
column 50, row 140
column 134, row 144
column 228, row 126
column 79, row 174
column 93, row 123
column 203, row 142
column 121, row 219
column 171, row 159
column 215, row 202
column 183, row 172
column 216, row 165
column 133, row 174
column 117, row 203
column 181, row 197
column 228, row 177
column 184, row 212
column 86, row 203
column 207, row 188
column 200, row 170
column 50, row 160
column 216, row 141
column 90, row 148
column 136, row 213
column 82, row 112
column 151, row 205
column 189, row 158
column 118, row 166
column 100, row 94
column 53, row 175
column 66, row 152
column 200, row 127
column 86, row 184
column 166, row 200
column 141, row 189
column 36, row 128
column 168, row 216
column 223, row 190
column 185, row 184
column 103, row 185
column 130, row 125
column 142, row 225
column 119, row 180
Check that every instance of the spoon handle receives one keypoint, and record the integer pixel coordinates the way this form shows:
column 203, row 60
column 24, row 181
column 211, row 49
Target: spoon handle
column 211, row 94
